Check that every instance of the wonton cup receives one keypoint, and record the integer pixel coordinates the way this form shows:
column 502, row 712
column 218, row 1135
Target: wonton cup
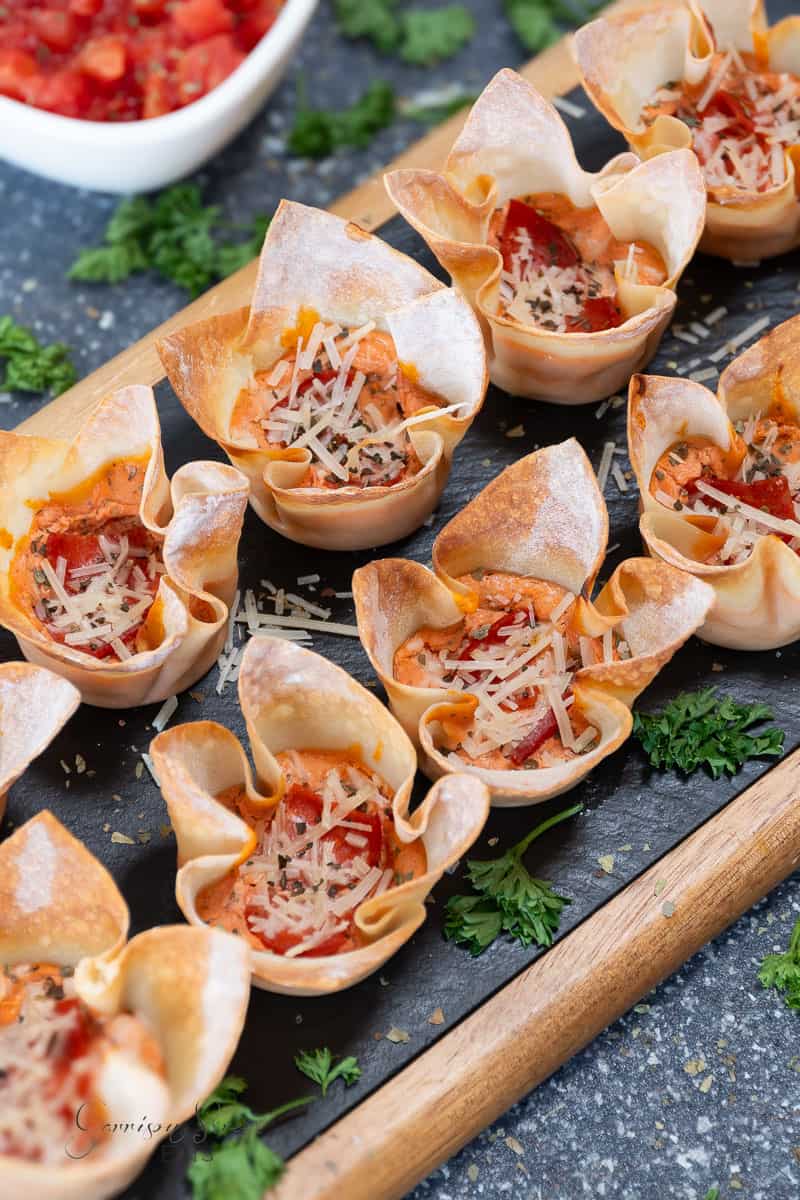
column 292, row 698
column 544, row 518
column 315, row 261
column 199, row 514
column 35, row 705
column 757, row 601
column 515, row 144
column 59, row 905
column 625, row 58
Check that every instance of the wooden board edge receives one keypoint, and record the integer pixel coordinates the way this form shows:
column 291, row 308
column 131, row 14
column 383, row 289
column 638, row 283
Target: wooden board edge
column 553, row 72
column 536, row 1023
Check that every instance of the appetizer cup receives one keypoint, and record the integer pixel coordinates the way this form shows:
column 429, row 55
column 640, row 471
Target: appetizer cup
column 319, row 867
column 111, row 576
column 719, row 485
column 35, row 705
column 734, row 81
column 497, row 662
column 157, row 1020
column 514, row 145
column 343, row 390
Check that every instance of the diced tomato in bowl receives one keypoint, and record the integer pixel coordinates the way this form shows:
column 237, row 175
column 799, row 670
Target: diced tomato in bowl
column 70, row 115
column 74, row 57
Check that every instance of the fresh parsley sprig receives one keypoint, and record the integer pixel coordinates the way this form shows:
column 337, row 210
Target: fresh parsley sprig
column 241, row 1167
column 175, row 235
column 417, row 36
column 539, row 23
column 782, row 971
column 509, row 899
column 30, row 366
column 318, row 1065
column 317, row 132
column 703, row 729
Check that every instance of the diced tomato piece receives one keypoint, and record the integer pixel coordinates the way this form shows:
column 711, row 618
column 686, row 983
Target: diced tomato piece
column 104, row 58
column 65, row 91
column 542, row 730
column 257, row 22
column 771, row 495
column 157, row 94
column 302, row 807
column 58, row 30
column 725, row 104
column 205, row 66
column 323, row 376
column 85, row 8
column 601, row 312
column 286, row 939
column 341, row 851
column 491, row 637
column 149, row 8
column 202, row 19
column 550, row 245
column 18, row 72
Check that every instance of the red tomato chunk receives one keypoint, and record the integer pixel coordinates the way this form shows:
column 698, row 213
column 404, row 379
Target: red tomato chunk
column 123, row 60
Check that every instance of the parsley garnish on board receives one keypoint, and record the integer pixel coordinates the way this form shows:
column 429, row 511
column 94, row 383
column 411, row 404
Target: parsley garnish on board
column 318, row 132
column 175, row 235
column 318, row 1066
column 509, row 900
column 703, row 729
column 418, row 36
column 536, row 22
column 30, row 366
column 242, row 1167
column 782, row 971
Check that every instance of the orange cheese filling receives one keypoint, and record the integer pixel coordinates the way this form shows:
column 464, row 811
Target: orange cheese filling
column 343, row 396
column 745, row 493
column 51, row 1049
column 741, row 118
column 329, row 845
column 87, row 572
column 517, row 653
column 558, row 264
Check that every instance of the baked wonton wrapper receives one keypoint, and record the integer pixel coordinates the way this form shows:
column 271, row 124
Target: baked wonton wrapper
column 292, row 698
column 515, row 144
column 35, row 705
column 757, row 601
column 625, row 58
column 199, row 514
column 543, row 518
column 315, row 261
column 190, row 986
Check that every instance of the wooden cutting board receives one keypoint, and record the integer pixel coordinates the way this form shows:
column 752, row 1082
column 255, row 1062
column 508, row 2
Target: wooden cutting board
column 513, row 1041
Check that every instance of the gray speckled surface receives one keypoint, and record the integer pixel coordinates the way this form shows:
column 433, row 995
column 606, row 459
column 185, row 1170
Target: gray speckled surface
column 700, row 1084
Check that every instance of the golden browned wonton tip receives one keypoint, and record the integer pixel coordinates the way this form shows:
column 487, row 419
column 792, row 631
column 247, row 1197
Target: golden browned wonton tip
column 111, row 575
column 514, row 144
column 636, row 64
column 535, row 538
column 755, row 574
column 309, row 390
column 188, row 987
column 35, row 705
column 293, row 700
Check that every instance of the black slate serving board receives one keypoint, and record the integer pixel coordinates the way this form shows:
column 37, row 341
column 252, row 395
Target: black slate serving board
column 632, row 813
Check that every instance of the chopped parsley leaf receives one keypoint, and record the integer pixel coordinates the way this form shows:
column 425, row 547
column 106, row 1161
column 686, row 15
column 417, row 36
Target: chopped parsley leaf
column 318, row 1066
column 316, row 132
column 703, row 729
column 508, row 899
column 782, row 971
column 175, row 235
column 30, row 366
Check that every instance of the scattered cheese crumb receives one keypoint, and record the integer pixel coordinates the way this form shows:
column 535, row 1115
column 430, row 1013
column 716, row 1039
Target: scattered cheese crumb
column 398, row 1035
column 517, row 432
column 606, row 862
column 122, row 839
column 514, row 1145
column 436, row 1017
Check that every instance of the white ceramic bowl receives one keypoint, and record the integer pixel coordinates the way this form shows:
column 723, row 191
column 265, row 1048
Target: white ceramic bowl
column 138, row 156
